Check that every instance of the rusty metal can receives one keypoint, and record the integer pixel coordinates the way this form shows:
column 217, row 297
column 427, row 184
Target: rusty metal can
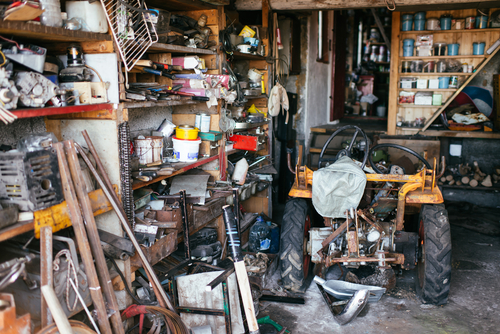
column 470, row 22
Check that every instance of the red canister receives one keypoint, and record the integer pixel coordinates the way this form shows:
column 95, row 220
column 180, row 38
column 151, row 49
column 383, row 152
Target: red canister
column 470, row 22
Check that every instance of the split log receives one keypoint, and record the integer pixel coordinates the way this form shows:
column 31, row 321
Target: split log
column 458, row 183
column 465, row 180
column 464, row 169
column 487, row 182
column 452, row 182
column 473, row 183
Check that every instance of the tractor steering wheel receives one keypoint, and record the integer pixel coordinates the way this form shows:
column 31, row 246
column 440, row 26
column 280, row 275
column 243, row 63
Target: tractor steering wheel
column 406, row 149
column 346, row 151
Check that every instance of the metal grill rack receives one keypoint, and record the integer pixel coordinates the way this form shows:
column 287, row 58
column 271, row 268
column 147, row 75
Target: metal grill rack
column 132, row 30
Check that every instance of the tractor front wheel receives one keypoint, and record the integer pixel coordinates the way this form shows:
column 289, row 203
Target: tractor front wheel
column 294, row 260
column 434, row 265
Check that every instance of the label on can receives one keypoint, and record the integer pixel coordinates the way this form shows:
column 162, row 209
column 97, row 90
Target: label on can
column 454, row 81
column 469, row 22
column 204, row 123
column 197, row 121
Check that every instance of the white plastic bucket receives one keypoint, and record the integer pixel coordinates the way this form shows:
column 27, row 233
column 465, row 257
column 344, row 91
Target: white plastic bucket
column 149, row 149
column 92, row 15
column 186, row 150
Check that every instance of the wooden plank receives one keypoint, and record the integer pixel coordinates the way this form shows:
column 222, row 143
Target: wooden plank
column 443, row 107
column 37, row 32
column 87, row 47
column 160, row 47
column 243, row 5
column 16, row 229
column 461, row 134
column 394, row 79
column 158, row 251
column 49, row 111
column 98, row 114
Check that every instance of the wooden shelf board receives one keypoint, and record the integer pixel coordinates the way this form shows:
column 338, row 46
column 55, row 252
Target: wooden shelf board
column 410, row 105
column 443, row 74
column 467, row 187
column 423, row 32
column 442, row 57
column 461, row 134
column 171, row 48
column 245, row 56
column 148, row 104
column 50, row 111
column 39, row 32
column 183, row 167
column 263, row 96
column 16, row 229
column 428, row 89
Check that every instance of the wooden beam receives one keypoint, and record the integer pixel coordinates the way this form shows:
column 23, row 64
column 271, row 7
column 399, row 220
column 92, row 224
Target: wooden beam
column 394, row 73
column 341, row 4
column 381, row 28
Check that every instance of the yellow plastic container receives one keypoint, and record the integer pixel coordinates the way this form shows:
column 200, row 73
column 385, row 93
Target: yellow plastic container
column 247, row 32
column 186, row 132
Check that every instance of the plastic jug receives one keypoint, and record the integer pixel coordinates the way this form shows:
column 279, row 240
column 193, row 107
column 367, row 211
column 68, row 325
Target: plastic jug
column 260, row 237
column 275, row 238
column 52, row 13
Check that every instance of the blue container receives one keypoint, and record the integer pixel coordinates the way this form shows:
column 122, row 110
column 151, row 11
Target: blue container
column 481, row 22
column 260, row 237
column 444, row 82
column 419, row 25
column 407, row 22
column 275, row 238
column 408, row 47
column 478, row 48
column 419, row 16
column 445, row 23
column 453, row 49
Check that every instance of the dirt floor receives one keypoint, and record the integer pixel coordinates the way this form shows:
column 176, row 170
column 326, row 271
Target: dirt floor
column 474, row 299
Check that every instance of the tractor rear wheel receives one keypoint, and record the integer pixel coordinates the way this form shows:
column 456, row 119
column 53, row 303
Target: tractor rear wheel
column 434, row 265
column 294, row 260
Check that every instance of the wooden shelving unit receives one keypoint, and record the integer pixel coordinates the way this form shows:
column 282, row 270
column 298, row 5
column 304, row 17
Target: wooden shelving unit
column 406, row 113
column 52, row 111
column 170, row 48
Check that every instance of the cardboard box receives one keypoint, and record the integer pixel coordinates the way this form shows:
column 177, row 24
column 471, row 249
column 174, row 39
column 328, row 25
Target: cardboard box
column 433, row 83
column 422, row 84
column 423, row 98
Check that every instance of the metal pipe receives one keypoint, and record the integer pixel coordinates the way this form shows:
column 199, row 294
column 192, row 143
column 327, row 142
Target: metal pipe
column 159, row 292
column 93, row 236
column 185, row 224
column 81, row 239
column 289, row 160
column 84, row 306
column 236, row 203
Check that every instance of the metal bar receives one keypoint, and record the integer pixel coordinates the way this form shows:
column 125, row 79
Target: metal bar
column 93, row 236
column 236, row 209
column 159, row 292
column 227, row 308
column 326, row 298
column 198, row 310
column 219, row 279
column 46, row 277
column 37, row 112
column 282, row 299
column 185, row 224
column 83, row 242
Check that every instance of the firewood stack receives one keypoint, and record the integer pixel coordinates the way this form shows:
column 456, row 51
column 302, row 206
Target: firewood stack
column 472, row 176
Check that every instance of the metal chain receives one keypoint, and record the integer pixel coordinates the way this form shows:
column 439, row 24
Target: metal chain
column 71, row 269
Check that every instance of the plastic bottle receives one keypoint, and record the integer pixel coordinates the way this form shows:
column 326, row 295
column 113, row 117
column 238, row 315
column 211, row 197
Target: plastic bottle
column 275, row 238
column 52, row 15
column 260, row 237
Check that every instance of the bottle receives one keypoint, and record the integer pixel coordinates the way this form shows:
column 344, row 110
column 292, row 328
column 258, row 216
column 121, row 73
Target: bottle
column 52, row 13
column 260, row 237
column 275, row 238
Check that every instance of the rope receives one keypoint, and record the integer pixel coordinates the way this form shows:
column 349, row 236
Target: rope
column 71, row 270
column 390, row 3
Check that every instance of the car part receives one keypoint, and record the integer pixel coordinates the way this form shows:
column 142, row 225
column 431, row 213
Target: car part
column 36, row 90
column 346, row 151
column 76, row 70
column 345, row 290
column 406, row 149
column 31, row 56
column 9, row 322
column 434, row 263
column 9, row 95
column 30, row 180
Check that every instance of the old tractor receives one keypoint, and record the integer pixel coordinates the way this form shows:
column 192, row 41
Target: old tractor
column 364, row 211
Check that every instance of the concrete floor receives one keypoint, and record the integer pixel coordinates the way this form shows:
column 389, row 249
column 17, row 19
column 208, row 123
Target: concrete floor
column 473, row 305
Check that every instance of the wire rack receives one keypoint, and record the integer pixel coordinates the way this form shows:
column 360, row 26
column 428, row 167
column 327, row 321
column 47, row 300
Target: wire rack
column 132, row 31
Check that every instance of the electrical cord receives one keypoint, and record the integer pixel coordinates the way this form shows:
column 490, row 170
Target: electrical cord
column 95, row 71
column 4, row 59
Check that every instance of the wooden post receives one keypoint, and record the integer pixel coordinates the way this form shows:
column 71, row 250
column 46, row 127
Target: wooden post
column 394, row 75
column 46, row 277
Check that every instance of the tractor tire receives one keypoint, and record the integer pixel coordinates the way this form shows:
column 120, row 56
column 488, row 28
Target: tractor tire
column 293, row 226
column 434, row 265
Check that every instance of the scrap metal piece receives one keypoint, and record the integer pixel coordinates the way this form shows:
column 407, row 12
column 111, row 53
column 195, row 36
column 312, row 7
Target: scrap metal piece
column 355, row 305
column 345, row 290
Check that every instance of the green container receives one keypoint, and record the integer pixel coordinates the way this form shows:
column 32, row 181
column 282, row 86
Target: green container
column 211, row 136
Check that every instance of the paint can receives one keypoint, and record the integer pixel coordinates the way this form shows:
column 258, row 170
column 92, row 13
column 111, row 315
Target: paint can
column 149, row 149
column 470, row 22
column 453, row 81
column 204, row 123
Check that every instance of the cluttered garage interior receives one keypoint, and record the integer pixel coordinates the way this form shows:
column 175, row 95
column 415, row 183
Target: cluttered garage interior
column 249, row 166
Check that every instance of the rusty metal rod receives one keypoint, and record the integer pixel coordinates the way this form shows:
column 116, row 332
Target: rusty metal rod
column 159, row 292
column 93, row 235
column 46, row 277
column 185, row 224
column 101, row 169
column 81, row 239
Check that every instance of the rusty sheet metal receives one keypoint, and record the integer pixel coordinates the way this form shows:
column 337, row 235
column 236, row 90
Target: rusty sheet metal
column 428, row 196
column 352, row 244
column 364, row 215
column 58, row 216
column 160, row 250
column 9, row 322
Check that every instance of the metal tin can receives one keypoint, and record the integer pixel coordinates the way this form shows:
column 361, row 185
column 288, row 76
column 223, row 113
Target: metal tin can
column 470, row 22
column 470, row 68
column 453, row 81
column 197, row 121
column 204, row 123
